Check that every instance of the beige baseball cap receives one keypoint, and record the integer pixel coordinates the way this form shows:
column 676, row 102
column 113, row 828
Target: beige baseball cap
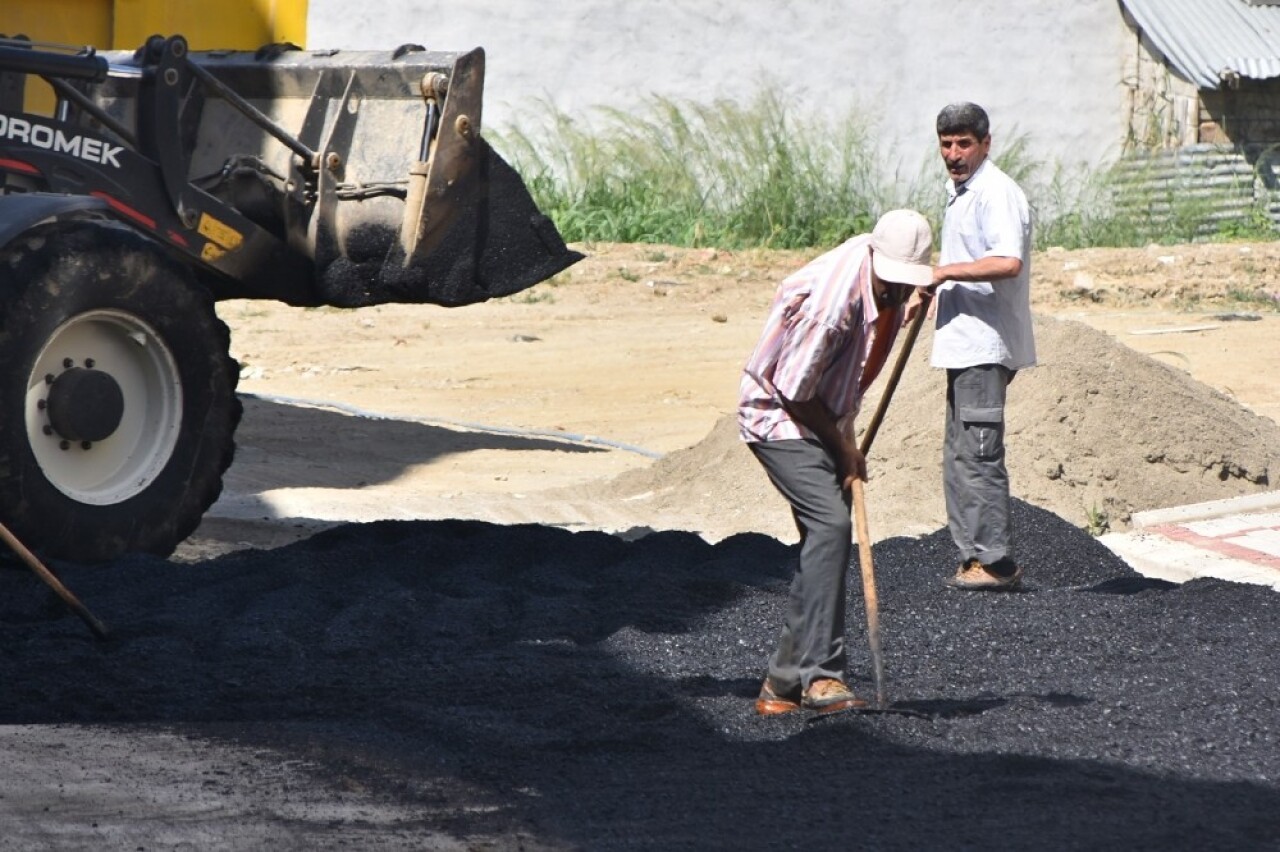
column 901, row 245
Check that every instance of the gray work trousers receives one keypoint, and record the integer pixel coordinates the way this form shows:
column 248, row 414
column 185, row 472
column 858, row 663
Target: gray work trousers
column 812, row 642
column 974, row 477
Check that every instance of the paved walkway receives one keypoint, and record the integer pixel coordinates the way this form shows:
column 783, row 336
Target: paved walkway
column 1236, row 539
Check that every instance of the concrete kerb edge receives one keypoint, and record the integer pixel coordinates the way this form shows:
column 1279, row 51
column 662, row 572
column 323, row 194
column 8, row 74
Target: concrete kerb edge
column 1145, row 549
column 1244, row 504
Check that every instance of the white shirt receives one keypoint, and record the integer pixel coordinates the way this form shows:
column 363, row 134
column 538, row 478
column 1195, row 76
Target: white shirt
column 985, row 322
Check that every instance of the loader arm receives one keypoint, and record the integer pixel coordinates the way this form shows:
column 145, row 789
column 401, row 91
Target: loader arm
column 309, row 177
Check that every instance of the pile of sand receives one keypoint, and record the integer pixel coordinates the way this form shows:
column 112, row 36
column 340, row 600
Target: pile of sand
column 1096, row 432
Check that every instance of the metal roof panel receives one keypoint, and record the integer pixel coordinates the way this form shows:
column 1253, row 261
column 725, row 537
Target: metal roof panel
column 1209, row 41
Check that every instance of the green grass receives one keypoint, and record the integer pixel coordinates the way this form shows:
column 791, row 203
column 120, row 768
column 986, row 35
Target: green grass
column 532, row 297
column 1256, row 298
column 719, row 175
column 1097, row 521
column 734, row 176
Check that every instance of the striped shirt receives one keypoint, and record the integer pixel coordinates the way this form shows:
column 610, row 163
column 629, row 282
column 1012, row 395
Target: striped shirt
column 815, row 344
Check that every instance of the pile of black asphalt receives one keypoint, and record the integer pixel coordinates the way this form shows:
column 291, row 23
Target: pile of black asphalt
column 542, row 688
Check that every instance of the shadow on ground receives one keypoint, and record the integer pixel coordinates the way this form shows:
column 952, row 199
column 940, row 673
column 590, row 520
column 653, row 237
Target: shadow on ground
column 587, row 692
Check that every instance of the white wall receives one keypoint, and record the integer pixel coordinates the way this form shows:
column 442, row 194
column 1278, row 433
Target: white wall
column 1050, row 72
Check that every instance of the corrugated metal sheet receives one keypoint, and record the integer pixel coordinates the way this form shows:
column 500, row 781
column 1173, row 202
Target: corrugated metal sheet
column 1211, row 184
column 1207, row 41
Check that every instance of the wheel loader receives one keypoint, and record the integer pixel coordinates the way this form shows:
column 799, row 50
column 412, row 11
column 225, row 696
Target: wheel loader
column 166, row 180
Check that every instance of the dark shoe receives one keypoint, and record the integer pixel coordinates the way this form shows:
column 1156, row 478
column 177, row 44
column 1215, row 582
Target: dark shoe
column 1002, row 576
column 770, row 703
column 827, row 695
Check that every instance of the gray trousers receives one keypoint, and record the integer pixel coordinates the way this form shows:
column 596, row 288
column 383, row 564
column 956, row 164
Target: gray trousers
column 974, row 477
column 812, row 642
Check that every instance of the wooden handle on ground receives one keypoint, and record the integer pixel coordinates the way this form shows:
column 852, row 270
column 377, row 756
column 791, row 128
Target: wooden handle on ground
column 860, row 513
column 98, row 628
column 869, row 592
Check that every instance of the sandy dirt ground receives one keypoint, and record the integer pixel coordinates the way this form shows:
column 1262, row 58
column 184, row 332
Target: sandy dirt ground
column 528, row 408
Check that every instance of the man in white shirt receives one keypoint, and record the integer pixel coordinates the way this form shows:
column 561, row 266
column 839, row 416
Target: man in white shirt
column 983, row 337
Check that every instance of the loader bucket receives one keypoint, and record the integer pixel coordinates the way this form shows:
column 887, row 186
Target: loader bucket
column 344, row 178
column 468, row 229
column 493, row 242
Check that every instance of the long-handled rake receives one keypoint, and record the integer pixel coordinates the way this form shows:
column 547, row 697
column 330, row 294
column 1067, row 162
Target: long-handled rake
column 860, row 513
column 99, row 629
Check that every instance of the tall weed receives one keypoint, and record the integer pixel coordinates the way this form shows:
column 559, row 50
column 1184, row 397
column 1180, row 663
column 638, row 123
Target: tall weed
column 732, row 175
column 695, row 174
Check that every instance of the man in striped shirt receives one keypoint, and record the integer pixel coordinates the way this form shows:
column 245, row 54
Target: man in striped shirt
column 828, row 334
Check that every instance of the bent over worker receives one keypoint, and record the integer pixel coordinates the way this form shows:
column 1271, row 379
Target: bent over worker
column 829, row 332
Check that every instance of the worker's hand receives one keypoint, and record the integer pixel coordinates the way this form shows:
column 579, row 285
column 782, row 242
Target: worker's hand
column 852, row 465
column 920, row 300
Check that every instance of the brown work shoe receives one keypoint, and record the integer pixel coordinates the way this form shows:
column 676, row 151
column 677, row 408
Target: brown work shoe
column 770, row 703
column 1002, row 576
column 827, row 695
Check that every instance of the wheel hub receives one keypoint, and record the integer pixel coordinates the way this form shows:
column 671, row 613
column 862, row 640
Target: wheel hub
column 85, row 405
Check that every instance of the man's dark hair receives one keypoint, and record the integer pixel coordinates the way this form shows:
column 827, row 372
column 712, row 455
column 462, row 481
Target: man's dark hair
column 958, row 119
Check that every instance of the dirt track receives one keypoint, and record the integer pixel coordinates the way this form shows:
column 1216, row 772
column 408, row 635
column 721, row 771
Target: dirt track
column 640, row 347
column 491, row 685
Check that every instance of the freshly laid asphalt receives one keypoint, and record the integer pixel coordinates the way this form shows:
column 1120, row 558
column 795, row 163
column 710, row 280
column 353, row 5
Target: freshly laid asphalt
column 529, row 687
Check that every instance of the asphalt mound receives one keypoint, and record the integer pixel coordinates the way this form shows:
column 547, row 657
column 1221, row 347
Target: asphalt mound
column 579, row 691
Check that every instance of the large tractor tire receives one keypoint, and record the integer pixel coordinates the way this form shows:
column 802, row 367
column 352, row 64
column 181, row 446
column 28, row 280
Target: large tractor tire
column 117, row 394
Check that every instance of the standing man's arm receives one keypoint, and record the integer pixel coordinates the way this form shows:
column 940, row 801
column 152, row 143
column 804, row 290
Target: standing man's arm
column 983, row 269
column 812, row 414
